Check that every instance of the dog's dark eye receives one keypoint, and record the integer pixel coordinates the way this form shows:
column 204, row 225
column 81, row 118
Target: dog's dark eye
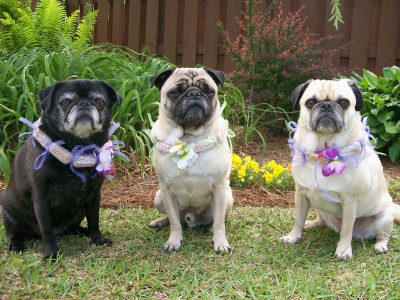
column 344, row 103
column 99, row 102
column 210, row 93
column 310, row 103
column 64, row 103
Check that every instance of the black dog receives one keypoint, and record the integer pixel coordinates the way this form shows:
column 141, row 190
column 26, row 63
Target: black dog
column 47, row 198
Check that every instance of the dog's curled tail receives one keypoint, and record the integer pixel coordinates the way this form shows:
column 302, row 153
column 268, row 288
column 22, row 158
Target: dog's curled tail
column 396, row 212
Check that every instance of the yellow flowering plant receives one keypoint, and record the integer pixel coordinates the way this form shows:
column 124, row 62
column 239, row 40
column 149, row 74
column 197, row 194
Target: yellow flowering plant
column 246, row 172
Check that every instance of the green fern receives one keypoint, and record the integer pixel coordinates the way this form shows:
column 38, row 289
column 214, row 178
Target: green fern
column 47, row 27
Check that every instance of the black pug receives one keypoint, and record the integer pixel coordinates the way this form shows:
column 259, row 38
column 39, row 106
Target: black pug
column 52, row 200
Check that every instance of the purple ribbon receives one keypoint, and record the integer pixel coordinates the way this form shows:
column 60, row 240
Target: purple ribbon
column 39, row 161
column 80, row 150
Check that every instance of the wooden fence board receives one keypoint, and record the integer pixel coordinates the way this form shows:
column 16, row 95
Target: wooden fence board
column 360, row 33
column 189, row 33
column 102, row 22
column 134, row 24
column 117, row 31
column 211, row 34
column 152, row 25
column 170, row 27
column 388, row 30
column 233, row 11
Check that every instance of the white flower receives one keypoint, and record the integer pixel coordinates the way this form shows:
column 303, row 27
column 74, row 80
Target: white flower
column 184, row 155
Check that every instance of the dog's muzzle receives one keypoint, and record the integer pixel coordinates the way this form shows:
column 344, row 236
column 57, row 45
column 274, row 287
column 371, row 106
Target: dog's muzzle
column 327, row 116
column 192, row 109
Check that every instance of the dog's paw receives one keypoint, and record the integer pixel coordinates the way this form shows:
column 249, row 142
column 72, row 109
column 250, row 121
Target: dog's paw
column 160, row 222
column 172, row 246
column 380, row 247
column 16, row 245
column 344, row 253
column 289, row 239
column 222, row 247
column 313, row 224
column 50, row 252
column 103, row 241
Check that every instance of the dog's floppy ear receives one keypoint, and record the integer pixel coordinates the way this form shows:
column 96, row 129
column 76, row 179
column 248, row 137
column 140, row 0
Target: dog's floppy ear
column 45, row 96
column 112, row 93
column 298, row 93
column 357, row 93
column 217, row 76
column 159, row 79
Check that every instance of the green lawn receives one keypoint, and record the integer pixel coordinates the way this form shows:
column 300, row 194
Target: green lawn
column 135, row 267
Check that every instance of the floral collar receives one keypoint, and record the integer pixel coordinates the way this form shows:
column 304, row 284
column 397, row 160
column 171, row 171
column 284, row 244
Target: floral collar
column 334, row 159
column 185, row 155
column 100, row 158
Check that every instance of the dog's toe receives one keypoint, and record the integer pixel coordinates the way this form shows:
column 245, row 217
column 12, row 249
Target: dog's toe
column 344, row 254
column 289, row 239
column 171, row 247
column 16, row 245
column 380, row 247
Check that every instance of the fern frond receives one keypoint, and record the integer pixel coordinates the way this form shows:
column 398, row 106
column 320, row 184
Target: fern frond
column 50, row 16
column 84, row 31
column 71, row 24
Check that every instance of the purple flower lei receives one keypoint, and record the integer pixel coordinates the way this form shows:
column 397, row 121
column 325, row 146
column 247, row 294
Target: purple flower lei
column 104, row 155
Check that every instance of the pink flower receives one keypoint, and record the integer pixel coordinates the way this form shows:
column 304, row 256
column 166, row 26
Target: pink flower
column 334, row 166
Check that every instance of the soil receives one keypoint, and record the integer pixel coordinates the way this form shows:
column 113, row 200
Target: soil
column 131, row 188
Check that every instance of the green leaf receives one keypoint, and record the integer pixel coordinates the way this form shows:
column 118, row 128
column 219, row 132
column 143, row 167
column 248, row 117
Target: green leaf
column 389, row 73
column 383, row 116
column 391, row 127
column 371, row 78
column 394, row 151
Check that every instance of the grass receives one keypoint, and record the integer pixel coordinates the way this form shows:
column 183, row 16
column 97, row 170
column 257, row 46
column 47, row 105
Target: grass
column 135, row 266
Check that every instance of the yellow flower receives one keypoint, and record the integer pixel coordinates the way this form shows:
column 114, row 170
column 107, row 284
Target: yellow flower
column 247, row 159
column 241, row 173
column 277, row 170
column 254, row 166
column 271, row 164
column 236, row 161
column 268, row 177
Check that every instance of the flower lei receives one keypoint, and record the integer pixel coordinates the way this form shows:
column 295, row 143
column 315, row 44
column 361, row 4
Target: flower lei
column 185, row 155
column 101, row 158
column 334, row 160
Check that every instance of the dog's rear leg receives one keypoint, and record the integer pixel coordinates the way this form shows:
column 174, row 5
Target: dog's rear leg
column 160, row 222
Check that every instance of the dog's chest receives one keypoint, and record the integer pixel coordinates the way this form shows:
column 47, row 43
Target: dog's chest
column 194, row 186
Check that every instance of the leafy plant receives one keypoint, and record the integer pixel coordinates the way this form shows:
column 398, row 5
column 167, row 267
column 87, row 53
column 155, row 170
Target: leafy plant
column 274, row 55
column 46, row 27
column 382, row 107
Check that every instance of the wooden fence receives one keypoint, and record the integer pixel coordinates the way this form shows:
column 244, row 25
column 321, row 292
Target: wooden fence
column 185, row 31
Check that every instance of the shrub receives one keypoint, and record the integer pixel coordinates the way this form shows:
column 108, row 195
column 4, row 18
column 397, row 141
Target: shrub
column 382, row 107
column 274, row 55
column 246, row 172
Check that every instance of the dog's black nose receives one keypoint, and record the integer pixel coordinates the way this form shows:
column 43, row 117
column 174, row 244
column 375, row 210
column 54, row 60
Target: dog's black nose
column 326, row 106
column 84, row 103
column 193, row 94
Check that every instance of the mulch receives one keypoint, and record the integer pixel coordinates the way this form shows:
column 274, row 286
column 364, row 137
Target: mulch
column 133, row 188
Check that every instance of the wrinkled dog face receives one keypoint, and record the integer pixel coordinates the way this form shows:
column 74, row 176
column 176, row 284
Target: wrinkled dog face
column 327, row 105
column 79, row 107
column 189, row 95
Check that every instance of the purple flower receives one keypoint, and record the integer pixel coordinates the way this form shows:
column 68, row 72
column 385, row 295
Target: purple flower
column 334, row 166
column 331, row 153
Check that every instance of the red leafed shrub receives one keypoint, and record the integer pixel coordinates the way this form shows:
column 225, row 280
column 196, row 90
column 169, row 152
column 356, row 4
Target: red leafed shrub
column 275, row 54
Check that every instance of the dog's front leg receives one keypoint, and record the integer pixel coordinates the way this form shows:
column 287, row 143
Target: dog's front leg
column 171, row 206
column 343, row 249
column 302, row 205
column 42, row 213
column 219, row 205
column 92, row 209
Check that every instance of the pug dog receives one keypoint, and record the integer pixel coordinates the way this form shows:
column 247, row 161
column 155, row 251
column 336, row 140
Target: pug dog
column 49, row 200
column 336, row 169
column 192, row 157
